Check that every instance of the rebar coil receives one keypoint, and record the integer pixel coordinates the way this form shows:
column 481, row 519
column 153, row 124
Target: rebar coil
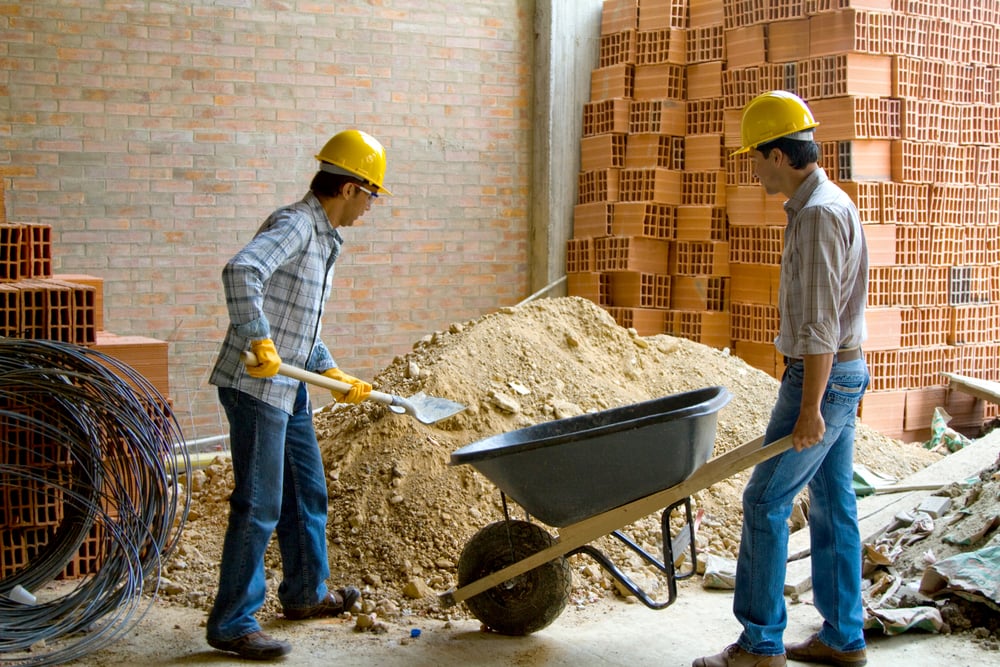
column 90, row 454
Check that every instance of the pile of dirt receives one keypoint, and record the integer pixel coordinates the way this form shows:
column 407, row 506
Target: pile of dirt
column 400, row 515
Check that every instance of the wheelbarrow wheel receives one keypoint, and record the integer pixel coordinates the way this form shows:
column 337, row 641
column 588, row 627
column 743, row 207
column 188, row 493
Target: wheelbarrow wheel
column 527, row 603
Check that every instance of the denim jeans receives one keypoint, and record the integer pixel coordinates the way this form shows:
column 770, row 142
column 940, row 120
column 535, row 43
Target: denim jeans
column 827, row 468
column 279, row 487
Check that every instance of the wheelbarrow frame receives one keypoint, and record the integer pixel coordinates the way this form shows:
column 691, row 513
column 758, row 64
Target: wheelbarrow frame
column 576, row 538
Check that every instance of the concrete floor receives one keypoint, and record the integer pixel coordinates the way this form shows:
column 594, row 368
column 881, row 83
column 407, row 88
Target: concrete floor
column 606, row 633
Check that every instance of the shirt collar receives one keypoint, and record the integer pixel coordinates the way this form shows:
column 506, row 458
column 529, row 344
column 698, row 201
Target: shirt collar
column 323, row 226
column 805, row 191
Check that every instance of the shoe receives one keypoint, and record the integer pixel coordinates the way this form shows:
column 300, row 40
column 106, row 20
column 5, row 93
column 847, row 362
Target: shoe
column 334, row 604
column 813, row 650
column 734, row 656
column 254, row 646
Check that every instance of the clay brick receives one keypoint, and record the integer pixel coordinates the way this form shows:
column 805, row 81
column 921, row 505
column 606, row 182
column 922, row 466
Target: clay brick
column 704, row 80
column 699, row 258
column 883, row 368
column 699, row 293
column 645, row 321
column 754, row 322
column 881, row 240
column 654, row 150
column 852, row 117
column 756, row 245
column 663, row 81
column 593, row 286
column 647, row 219
column 619, row 15
column 701, row 223
column 659, row 46
column 851, row 30
column 14, row 258
column 612, row 82
column 94, row 284
column 705, row 116
column 705, row 327
column 606, row 116
column 631, row 253
column 745, row 204
column 706, row 43
column 10, row 311
column 704, row 152
column 788, row 41
column 602, row 151
column 762, row 356
column 656, row 13
column 634, row 289
column 592, row 219
column 845, row 74
column 659, row 116
column 974, row 324
column 617, row 48
column 864, row 160
column 754, row 283
column 580, row 255
column 884, row 326
column 883, row 410
column 662, row 186
column 746, row 46
column 868, row 197
column 703, row 13
column 703, row 188
column 147, row 356
column 599, row 185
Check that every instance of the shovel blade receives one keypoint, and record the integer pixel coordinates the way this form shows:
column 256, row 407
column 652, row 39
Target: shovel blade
column 426, row 409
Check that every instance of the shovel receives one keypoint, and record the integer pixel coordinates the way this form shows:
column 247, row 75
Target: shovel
column 425, row 409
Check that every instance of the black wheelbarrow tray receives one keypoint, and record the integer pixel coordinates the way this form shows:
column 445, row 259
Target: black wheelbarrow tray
column 590, row 476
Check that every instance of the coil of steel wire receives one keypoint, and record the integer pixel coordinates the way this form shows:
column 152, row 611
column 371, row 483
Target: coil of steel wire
column 91, row 459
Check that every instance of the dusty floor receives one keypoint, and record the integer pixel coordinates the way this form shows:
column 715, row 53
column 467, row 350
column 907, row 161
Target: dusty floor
column 611, row 632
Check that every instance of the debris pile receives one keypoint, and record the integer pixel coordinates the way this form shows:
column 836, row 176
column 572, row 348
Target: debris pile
column 400, row 515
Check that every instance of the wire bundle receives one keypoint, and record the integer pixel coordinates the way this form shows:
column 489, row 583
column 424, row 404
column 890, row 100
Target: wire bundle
column 95, row 450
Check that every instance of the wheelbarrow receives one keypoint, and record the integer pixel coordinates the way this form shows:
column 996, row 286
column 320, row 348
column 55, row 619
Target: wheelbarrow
column 590, row 476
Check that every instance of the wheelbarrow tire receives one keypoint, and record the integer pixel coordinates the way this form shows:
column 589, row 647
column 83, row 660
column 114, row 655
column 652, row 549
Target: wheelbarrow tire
column 527, row 603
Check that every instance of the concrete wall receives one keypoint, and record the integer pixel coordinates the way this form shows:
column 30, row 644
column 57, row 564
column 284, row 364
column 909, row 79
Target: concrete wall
column 154, row 137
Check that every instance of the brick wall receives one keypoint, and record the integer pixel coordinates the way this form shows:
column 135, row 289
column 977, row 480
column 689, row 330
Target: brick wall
column 153, row 137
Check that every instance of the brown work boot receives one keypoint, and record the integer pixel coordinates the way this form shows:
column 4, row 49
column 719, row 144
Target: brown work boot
column 813, row 650
column 334, row 604
column 734, row 656
column 254, row 646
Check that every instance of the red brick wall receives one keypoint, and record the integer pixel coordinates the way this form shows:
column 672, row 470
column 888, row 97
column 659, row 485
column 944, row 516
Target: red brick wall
column 155, row 136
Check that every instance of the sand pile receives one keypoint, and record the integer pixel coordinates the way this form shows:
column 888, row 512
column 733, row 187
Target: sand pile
column 399, row 515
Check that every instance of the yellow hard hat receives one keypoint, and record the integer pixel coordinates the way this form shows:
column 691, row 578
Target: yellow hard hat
column 774, row 115
column 355, row 153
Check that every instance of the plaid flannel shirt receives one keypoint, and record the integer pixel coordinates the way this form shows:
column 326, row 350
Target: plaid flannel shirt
column 277, row 287
column 823, row 286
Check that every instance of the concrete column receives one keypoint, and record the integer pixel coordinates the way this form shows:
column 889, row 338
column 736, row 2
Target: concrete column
column 567, row 43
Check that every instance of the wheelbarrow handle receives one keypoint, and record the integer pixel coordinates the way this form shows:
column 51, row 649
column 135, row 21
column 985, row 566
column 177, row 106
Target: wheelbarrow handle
column 250, row 359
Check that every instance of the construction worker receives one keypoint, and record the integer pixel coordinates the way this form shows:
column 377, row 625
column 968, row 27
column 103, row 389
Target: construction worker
column 276, row 288
column 821, row 299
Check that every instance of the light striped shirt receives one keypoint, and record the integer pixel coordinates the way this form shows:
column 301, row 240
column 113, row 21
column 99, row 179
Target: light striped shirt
column 823, row 286
column 277, row 287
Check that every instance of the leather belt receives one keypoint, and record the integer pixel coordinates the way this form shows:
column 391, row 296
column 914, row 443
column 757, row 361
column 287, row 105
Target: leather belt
column 850, row 354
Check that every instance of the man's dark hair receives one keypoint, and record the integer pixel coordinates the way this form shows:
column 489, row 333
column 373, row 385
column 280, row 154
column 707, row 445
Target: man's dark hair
column 799, row 153
column 326, row 184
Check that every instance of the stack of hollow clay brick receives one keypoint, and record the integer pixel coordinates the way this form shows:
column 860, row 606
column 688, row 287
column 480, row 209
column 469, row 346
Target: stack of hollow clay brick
column 36, row 304
column 672, row 234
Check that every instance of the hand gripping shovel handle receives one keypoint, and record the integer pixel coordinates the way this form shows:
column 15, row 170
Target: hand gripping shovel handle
column 323, row 381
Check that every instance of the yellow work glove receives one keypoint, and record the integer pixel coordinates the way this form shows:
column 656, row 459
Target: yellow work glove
column 359, row 388
column 267, row 359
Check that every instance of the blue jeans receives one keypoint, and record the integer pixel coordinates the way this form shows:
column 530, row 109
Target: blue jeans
column 279, row 487
column 827, row 468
